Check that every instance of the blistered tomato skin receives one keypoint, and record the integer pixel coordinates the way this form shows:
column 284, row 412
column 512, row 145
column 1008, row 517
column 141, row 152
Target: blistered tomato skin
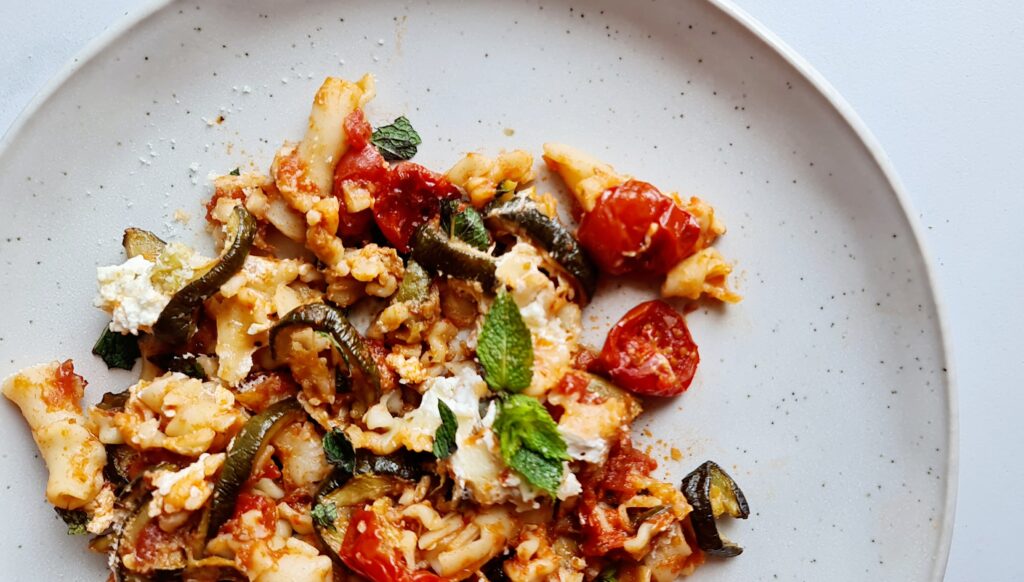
column 362, row 166
column 413, row 197
column 634, row 227
column 650, row 351
column 366, row 552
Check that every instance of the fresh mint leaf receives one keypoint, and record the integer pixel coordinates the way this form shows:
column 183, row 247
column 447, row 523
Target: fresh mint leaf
column 468, row 227
column 235, row 172
column 539, row 470
column 505, row 346
column 117, row 350
column 530, row 441
column 464, row 224
column 339, row 451
column 397, row 141
column 444, row 438
column 76, row 520
column 325, row 514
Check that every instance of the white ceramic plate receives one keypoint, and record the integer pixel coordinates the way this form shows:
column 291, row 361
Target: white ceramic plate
column 826, row 391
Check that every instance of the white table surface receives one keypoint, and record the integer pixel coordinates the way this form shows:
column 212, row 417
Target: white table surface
column 941, row 84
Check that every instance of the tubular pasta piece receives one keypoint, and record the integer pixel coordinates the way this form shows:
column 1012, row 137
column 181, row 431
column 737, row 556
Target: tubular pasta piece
column 48, row 396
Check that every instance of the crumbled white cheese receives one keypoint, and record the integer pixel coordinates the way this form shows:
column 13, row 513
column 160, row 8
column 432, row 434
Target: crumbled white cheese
column 481, row 472
column 127, row 293
column 552, row 319
column 592, row 449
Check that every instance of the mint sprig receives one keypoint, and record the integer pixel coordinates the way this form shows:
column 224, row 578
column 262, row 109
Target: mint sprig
column 530, row 441
column 339, row 452
column 444, row 438
column 505, row 346
column 396, row 141
column 117, row 350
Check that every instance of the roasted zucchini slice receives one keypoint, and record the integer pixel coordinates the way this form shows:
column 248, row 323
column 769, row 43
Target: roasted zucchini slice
column 415, row 285
column 138, row 242
column 520, row 216
column 330, row 320
column 712, row 493
column 177, row 321
column 437, row 252
column 340, row 495
column 246, row 449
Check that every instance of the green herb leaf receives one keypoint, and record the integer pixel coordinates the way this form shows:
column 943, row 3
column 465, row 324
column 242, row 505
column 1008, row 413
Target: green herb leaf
column 339, row 451
column 235, row 172
column 117, row 350
column 444, row 438
column 610, row 574
column 397, row 141
column 464, row 223
column 505, row 346
column 530, row 441
column 469, row 227
column 325, row 514
column 539, row 470
column 76, row 520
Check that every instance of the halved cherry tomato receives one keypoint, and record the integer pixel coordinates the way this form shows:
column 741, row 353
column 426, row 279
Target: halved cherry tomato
column 650, row 351
column 413, row 197
column 362, row 166
column 636, row 227
column 366, row 551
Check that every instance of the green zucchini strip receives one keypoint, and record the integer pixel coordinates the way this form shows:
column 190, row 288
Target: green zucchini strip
column 330, row 320
column 436, row 252
column 177, row 322
column 244, row 451
column 520, row 216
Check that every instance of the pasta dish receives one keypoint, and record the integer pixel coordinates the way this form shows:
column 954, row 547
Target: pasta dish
column 380, row 376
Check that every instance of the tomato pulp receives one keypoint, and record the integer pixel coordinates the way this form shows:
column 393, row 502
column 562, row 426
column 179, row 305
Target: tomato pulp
column 650, row 351
column 635, row 227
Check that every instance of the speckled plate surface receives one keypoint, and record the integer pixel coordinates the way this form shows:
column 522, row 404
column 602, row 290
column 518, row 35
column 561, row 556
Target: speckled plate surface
column 825, row 392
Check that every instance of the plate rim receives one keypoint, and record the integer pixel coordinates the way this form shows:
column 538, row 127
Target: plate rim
column 144, row 10
column 874, row 148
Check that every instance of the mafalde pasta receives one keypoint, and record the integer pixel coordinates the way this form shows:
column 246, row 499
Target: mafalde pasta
column 382, row 376
column 49, row 396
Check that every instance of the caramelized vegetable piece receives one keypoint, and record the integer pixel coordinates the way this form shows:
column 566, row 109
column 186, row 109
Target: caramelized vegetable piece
column 246, row 448
column 138, row 242
column 345, row 493
column 330, row 320
column 436, row 252
column 712, row 493
column 177, row 321
column 521, row 217
column 415, row 286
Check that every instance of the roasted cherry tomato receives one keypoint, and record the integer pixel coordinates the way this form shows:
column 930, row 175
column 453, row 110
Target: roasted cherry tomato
column 362, row 166
column 413, row 197
column 650, row 351
column 636, row 227
column 366, row 550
